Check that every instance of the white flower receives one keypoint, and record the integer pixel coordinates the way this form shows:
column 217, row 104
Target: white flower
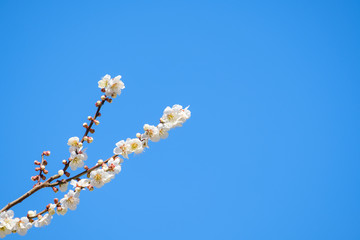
column 73, row 142
column 99, row 177
column 112, row 86
column 63, row 186
column 51, row 209
column 22, row 225
column 43, row 220
column 32, row 213
column 83, row 183
column 7, row 223
column 70, row 200
column 113, row 167
column 122, row 148
column 61, row 210
column 175, row 116
column 152, row 132
column 135, row 145
column 163, row 130
column 77, row 159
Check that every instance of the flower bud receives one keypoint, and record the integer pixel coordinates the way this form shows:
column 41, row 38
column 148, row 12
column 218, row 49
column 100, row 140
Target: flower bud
column 55, row 189
column 64, row 161
column 91, row 188
column 109, row 100
column 34, row 178
column 85, row 125
column 45, row 162
column 103, row 97
column 100, row 161
column 92, row 130
column 138, row 135
column 90, row 118
column 61, row 172
column 67, row 174
column 46, row 153
column 86, row 138
column 46, row 171
column 43, row 177
column 103, row 90
column 80, row 144
column 98, row 115
column 90, row 140
column 37, row 162
column 56, row 200
column 37, row 169
column 96, row 122
column 48, row 206
column 98, row 104
column 31, row 214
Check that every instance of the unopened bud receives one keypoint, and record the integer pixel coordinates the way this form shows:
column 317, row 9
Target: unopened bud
column 43, row 177
column 86, row 138
column 91, row 188
column 86, row 167
column 90, row 118
column 56, row 200
column 80, row 144
column 45, row 162
column 109, row 100
column 64, row 161
column 96, row 122
column 92, row 130
column 55, row 189
column 31, row 213
column 138, row 135
column 61, row 172
column 34, row 178
column 67, row 174
column 48, row 206
column 100, row 161
column 98, row 104
column 90, row 140
column 46, row 171
column 46, row 153
column 103, row 97
column 85, row 125
column 98, row 115
column 37, row 169
column 37, row 162
column 103, row 90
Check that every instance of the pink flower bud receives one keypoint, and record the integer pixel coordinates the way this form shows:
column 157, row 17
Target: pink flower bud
column 92, row 130
column 37, row 162
column 67, row 174
column 64, row 161
column 55, row 189
column 46, row 171
column 37, row 169
column 85, row 125
column 56, row 200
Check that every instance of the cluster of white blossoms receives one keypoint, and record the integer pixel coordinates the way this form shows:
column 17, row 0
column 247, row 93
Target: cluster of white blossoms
column 111, row 86
column 77, row 153
column 103, row 172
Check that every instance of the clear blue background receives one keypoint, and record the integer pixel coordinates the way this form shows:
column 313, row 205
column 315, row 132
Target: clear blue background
column 272, row 148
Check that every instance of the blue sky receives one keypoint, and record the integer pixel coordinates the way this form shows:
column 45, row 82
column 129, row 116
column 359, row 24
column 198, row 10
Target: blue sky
column 270, row 152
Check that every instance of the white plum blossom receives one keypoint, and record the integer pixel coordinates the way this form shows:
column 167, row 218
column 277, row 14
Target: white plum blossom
column 63, row 186
column 70, row 200
column 113, row 166
column 112, row 86
column 163, row 130
column 7, row 223
column 152, row 132
column 22, row 225
column 77, row 159
column 42, row 220
column 74, row 142
column 122, row 148
column 99, row 177
column 135, row 145
column 52, row 209
column 83, row 183
column 61, row 210
column 175, row 116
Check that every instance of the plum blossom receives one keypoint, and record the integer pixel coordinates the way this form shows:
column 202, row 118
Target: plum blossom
column 122, row 148
column 175, row 116
column 83, row 183
column 63, row 186
column 71, row 200
column 77, row 159
column 152, row 132
column 7, row 223
column 113, row 166
column 99, row 177
column 22, row 225
column 135, row 145
column 42, row 220
column 112, row 86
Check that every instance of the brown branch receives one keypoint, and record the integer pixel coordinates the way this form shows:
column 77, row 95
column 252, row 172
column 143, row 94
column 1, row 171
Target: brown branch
column 56, row 176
